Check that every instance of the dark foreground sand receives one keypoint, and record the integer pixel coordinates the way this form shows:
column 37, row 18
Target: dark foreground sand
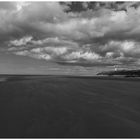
column 69, row 107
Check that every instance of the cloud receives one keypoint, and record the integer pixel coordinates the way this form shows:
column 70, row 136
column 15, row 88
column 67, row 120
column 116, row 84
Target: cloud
column 60, row 50
column 79, row 32
column 42, row 18
column 52, row 49
column 22, row 41
column 80, row 54
column 33, row 55
column 56, row 51
column 127, row 48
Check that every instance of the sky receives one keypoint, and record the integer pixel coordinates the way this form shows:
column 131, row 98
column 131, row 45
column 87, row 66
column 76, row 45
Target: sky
column 68, row 37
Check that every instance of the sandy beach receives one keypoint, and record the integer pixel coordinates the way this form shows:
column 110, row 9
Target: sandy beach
column 69, row 107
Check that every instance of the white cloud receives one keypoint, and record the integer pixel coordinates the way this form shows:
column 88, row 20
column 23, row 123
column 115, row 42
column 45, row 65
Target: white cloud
column 81, row 54
column 56, row 51
column 33, row 55
column 41, row 56
column 51, row 50
column 118, row 16
column 109, row 54
column 24, row 53
column 126, row 47
column 22, row 41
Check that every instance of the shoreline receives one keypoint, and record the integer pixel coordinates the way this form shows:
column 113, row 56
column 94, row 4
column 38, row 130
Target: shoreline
column 11, row 77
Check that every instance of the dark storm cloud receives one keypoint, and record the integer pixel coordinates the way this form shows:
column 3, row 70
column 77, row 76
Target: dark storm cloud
column 92, row 33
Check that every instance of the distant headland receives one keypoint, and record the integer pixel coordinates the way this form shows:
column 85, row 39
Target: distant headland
column 125, row 73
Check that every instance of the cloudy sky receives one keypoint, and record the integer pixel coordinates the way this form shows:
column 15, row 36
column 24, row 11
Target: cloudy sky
column 68, row 37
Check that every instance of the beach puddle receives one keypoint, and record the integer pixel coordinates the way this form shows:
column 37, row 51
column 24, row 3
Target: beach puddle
column 3, row 79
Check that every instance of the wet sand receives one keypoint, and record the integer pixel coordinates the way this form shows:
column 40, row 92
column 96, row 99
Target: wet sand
column 69, row 107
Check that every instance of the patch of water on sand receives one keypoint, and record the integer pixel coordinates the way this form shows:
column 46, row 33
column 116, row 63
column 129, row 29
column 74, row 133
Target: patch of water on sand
column 3, row 79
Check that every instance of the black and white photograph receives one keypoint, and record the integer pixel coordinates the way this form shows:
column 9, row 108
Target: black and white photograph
column 69, row 69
